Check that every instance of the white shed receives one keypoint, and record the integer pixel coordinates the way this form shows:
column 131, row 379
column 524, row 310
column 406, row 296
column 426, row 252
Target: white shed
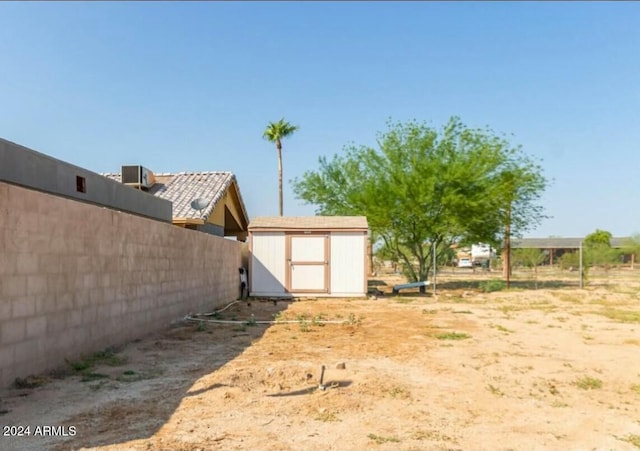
column 308, row 256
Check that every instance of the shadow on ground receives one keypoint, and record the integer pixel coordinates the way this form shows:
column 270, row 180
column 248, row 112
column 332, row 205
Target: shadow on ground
column 329, row 385
column 135, row 398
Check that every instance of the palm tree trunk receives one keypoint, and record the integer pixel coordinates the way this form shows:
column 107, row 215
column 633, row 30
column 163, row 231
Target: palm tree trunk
column 279, row 147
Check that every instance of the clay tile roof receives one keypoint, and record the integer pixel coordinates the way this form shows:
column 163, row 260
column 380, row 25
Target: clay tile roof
column 309, row 222
column 183, row 188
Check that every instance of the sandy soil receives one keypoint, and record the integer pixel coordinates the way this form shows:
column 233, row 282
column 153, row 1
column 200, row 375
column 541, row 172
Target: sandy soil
column 552, row 368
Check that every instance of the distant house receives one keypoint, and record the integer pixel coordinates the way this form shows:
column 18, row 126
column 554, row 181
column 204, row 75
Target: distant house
column 554, row 248
column 206, row 201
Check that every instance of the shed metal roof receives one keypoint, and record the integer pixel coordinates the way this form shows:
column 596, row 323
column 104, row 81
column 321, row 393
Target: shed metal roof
column 309, row 223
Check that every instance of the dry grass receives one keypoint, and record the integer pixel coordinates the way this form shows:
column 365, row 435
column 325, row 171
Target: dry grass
column 588, row 383
column 510, row 369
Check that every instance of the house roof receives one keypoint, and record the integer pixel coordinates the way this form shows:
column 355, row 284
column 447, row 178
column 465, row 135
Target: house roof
column 560, row 243
column 309, row 223
column 183, row 188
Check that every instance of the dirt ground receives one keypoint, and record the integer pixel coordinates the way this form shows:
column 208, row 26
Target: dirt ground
column 549, row 368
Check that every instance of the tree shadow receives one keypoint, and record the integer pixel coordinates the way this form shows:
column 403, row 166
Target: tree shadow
column 376, row 283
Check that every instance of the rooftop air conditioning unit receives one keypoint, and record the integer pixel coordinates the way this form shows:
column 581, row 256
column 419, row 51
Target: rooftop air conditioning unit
column 137, row 176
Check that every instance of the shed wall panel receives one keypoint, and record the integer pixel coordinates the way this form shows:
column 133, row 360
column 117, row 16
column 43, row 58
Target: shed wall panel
column 307, row 278
column 268, row 263
column 307, row 248
column 347, row 262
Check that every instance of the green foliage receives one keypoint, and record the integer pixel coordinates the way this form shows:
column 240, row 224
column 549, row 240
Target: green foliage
column 89, row 376
column 569, row 260
column 380, row 439
column 318, row 320
column 354, row 320
column 495, row 390
column 600, row 255
column 327, row 416
column 80, row 365
column 595, row 255
column 492, row 285
column 529, row 257
column 453, row 336
column 275, row 133
column 30, row 381
column 107, row 356
column 597, row 250
column 623, row 316
column 588, row 383
column 634, row 439
column 424, row 187
column 599, row 237
column 129, row 376
column 386, row 253
column 632, row 246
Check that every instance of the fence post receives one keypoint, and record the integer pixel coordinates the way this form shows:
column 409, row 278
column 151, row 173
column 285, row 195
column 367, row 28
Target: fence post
column 581, row 270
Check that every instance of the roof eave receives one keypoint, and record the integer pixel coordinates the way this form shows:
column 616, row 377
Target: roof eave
column 308, row 229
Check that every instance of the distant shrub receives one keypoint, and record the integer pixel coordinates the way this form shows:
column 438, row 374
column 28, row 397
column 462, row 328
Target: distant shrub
column 453, row 336
column 492, row 285
column 588, row 383
column 570, row 260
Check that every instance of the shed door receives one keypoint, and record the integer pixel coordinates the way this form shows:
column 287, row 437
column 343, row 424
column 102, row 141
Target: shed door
column 308, row 263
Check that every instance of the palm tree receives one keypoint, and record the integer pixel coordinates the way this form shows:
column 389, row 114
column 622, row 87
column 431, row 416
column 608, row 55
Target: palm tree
column 274, row 133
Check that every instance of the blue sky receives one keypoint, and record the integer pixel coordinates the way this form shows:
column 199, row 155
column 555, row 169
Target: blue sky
column 188, row 86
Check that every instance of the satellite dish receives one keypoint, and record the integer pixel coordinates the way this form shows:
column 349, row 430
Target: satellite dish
column 200, row 203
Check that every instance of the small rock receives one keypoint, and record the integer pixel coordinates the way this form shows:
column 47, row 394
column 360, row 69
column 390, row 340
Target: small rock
column 341, row 366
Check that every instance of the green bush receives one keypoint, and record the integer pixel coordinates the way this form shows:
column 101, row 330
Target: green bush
column 492, row 285
column 570, row 260
column 602, row 255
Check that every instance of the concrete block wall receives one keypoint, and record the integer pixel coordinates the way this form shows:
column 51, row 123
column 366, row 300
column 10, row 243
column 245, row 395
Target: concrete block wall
column 76, row 278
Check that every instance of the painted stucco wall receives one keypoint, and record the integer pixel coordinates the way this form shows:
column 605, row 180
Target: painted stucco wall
column 76, row 278
column 26, row 167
